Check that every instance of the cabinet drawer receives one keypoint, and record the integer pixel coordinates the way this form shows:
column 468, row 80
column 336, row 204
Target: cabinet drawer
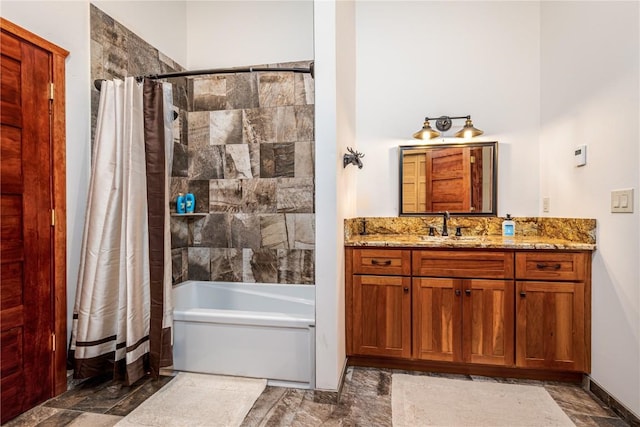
column 382, row 262
column 463, row 264
column 551, row 265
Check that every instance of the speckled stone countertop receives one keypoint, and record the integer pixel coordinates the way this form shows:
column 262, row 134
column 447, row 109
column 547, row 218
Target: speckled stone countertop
column 477, row 232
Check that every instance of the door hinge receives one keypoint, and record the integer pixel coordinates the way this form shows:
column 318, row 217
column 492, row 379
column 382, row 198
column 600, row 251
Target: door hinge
column 53, row 217
column 53, row 341
column 51, row 90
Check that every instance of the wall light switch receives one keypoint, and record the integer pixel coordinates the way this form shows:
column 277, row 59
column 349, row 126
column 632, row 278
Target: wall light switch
column 545, row 204
column 622, row 200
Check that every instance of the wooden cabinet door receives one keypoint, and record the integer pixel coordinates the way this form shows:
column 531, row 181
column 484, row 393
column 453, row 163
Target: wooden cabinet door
column 488, row 322
column 437, row 323
column 463, row 320
column 381, row 316
column 550, row 328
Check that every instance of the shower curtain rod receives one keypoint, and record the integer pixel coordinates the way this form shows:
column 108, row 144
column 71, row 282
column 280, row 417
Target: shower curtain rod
column 98, row 82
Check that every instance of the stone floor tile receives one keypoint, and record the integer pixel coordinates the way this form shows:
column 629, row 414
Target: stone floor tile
column 88, row 419
column 32, row 417
column 572, row 398
column 61, row 418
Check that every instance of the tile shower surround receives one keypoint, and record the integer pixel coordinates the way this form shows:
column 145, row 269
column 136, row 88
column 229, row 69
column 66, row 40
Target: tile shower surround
column 243, row 144
column 248, row 157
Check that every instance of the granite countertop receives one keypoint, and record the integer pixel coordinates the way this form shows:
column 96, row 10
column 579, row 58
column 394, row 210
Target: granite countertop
column 477, row 232
column 466, row 242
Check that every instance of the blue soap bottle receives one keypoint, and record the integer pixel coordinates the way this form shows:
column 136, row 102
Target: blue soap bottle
column 180, row 204
column 508, row 227
column 190, row 202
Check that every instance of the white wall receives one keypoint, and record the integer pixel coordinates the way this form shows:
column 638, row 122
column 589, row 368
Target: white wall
column 591, row 95
column 224, row 34
column 417, row 59
column 162, row 24
column 334, row 127
column 74, row 37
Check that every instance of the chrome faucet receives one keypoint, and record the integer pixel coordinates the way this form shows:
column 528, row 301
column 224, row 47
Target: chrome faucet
column 445, row 216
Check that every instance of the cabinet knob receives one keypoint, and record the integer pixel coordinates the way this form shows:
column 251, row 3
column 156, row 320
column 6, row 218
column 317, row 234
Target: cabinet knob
column 406, row 290
column 523, row 294
column 457, row 292
column 467, row 291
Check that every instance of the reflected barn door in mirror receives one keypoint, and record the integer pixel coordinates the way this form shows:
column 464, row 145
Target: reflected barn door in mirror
column 448, row 180
column 459, row 178
column 414, row 184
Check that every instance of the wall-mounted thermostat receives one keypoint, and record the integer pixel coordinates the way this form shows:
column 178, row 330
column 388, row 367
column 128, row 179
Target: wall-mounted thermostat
column 580, row 155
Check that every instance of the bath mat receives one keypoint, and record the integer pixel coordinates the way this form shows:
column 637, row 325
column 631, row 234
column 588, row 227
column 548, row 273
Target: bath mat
column 197, row 400
column 433, row 401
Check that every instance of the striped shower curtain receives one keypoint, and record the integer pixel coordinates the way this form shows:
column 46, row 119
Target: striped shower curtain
column 122, row 316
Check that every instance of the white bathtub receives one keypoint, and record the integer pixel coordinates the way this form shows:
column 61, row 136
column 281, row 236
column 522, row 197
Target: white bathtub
column 246, row 329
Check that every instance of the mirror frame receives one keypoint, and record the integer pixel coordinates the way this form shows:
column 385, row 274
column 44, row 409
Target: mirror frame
column 494, row 186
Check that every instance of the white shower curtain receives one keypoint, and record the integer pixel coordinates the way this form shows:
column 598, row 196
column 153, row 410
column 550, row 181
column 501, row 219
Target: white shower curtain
column 122, row 314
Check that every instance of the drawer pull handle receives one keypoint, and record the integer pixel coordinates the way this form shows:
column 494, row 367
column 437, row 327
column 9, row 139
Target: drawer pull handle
column 548, row 266
column 523, row 294
column 376, row 262
column 457, row 292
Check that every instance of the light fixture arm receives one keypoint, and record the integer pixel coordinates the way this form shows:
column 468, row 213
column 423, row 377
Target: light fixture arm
column 443, row 124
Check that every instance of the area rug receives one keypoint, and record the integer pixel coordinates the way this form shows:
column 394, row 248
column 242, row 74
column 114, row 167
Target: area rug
column 432, row 401
column 197, row 400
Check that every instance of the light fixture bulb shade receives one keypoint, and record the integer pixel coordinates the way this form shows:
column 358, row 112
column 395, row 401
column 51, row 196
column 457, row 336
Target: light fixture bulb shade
column 426, row 132
column 468, row 131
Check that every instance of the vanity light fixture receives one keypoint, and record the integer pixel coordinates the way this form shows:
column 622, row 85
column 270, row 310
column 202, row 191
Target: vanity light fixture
column 443, row 123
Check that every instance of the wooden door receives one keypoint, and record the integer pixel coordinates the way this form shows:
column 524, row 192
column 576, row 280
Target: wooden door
column 488, row 318
column 437, row 315
column 414, row 184
column 381, row 316
column 27, row 267
column 550, row 327
column 448, row 180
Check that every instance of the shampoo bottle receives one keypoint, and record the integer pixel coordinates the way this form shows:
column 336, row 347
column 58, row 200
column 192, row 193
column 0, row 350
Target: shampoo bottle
column 180, row 204
column 508, row 226
column 190, row 202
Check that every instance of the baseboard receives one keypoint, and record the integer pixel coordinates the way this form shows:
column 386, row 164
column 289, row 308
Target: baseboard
column 617, row 407
column 466, row 369
column 330, row 396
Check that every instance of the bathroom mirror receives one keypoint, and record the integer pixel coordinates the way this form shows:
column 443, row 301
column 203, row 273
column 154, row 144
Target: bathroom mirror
column 459, row 178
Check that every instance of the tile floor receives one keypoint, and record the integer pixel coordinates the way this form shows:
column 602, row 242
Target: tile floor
column 365, row 401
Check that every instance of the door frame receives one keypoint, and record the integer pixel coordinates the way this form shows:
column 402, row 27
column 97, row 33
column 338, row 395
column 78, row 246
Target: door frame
column 58, row 197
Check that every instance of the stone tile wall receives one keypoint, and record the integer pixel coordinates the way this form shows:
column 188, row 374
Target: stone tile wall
column 116, row 52
column 249, row 160
column 244, row 145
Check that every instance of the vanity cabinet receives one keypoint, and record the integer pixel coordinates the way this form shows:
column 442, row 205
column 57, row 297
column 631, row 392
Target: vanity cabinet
column 380, row 297
column 463, row 307
column 505, row 309
column 553, row 310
